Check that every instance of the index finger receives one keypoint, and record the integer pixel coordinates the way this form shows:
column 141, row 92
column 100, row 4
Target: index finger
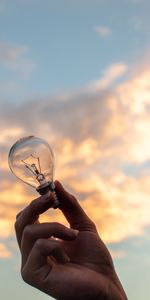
column 31, row 213
column 72, row 210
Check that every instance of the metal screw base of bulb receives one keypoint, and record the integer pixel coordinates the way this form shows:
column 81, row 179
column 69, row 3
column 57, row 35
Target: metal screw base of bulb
column 56, row 200
column 49, row 186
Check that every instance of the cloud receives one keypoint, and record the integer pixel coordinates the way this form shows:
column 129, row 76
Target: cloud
column 4, row 252
column 110, row 75
column 10, row 88
column 13, row 198
column 103, row 31
column 96, row 134
column 118, row 254
column 14, row 58
column 9, row 133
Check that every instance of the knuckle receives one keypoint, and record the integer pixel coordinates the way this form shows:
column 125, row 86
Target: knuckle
column 86, row 225
column 25, row 275
column 56, row 225
column 27, row 233
column 73, row 198
column 17, row 222
column 39, row 244
column 33, row 204
column 92, row 225
column 16, row 225
column 57, row 245
column 18, row 214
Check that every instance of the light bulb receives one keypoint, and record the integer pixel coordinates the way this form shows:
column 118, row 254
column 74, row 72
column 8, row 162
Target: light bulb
column 32, row 160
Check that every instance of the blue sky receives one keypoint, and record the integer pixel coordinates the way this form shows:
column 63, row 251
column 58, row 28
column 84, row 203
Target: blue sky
column 89, row 61
column 61, row 44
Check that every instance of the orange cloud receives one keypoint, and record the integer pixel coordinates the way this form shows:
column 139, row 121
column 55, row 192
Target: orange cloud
column 95, row 136
column 8, row 133
column 4, row 252
column 118, row 205
column 12, row 199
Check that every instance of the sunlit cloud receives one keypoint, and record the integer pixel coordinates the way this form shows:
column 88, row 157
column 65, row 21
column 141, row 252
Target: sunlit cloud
column 13, row 198
column 111, row 74
column 4, row 252
column 103, row 31
column 96, row 135
column 10, row 133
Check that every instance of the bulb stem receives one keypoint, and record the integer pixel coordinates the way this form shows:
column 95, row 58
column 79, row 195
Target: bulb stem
column 49, row 186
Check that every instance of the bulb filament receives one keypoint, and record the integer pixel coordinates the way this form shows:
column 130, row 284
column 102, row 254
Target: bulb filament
column 36, row 171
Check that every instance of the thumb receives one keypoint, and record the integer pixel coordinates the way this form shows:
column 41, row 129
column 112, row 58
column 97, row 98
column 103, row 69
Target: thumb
column 72, row 210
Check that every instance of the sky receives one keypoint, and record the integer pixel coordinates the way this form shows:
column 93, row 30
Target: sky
column 77, row 73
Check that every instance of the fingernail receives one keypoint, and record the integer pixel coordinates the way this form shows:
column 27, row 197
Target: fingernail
column 74, row 231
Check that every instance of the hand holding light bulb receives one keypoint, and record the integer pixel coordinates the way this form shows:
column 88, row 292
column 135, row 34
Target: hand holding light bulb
column 32, row 160
column 65, row 263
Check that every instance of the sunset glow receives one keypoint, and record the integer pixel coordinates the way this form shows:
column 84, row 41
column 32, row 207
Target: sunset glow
column 92, row 104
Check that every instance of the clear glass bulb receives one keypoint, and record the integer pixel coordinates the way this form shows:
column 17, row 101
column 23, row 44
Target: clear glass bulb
column 32, row 160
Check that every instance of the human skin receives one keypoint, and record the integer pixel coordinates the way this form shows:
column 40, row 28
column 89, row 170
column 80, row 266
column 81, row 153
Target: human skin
column 65, row 263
